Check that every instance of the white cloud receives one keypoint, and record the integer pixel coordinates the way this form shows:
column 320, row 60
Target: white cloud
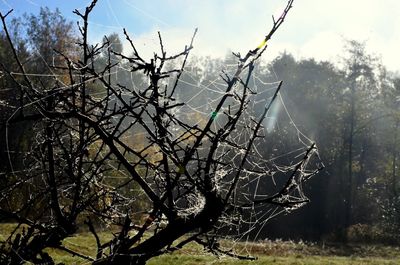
column 312, row 29
column 174, row 41
column 326, row 23
column 238, row 26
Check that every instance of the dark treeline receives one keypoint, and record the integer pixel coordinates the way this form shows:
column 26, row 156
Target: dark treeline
column 351, row 111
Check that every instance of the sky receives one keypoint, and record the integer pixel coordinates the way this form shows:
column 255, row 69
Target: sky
column 313, row 29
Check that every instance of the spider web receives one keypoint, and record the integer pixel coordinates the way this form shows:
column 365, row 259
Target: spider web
column 274, row 156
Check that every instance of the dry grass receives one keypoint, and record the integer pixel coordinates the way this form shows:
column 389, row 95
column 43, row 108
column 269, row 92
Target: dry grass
column 268, row 252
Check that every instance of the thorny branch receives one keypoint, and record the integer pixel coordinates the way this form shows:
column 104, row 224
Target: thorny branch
column 180, row 179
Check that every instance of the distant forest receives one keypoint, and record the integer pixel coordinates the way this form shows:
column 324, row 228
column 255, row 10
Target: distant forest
column 349, row 109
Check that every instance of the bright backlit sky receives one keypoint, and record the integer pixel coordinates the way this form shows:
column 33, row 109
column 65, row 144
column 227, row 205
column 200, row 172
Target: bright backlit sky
column 314, row 28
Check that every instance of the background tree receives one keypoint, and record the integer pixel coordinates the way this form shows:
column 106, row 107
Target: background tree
column 14, row 142
column 48, row 35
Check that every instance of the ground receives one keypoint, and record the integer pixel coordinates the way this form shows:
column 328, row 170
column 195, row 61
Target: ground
column 267, row 252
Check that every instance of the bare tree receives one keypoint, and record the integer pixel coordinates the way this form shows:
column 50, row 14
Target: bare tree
column 191, row 182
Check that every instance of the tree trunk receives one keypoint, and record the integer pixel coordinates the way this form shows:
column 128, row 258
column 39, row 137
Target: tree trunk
column 349, row 186
column 151, row 247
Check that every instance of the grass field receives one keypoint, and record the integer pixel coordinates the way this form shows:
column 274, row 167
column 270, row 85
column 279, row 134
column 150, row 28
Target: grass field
column 267, row 252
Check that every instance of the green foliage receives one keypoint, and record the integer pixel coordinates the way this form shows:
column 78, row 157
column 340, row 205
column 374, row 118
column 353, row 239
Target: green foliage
column 363, row 233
